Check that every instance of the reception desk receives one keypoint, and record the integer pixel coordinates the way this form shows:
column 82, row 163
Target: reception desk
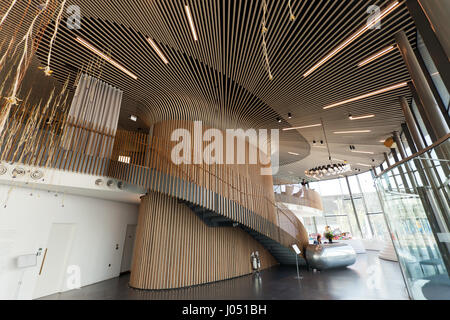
column 328, row 256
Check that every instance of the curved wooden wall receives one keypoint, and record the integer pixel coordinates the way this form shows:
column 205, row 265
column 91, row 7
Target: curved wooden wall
column 175, row 249
column 243, row 178
column 305, row 197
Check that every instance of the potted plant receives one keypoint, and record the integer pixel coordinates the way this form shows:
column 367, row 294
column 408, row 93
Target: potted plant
column 329, row 235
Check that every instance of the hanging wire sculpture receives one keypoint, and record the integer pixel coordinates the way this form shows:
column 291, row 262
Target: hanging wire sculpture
column 291, row 14
column 7, row 12
column 13, row 100
column 47, row 71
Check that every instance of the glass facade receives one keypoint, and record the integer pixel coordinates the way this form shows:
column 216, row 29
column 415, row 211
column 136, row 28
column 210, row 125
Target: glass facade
column 351, row 206
column 434, row 73
column 418, row 218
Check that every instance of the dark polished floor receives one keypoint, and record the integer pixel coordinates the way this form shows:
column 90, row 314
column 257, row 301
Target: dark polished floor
column 369, row 278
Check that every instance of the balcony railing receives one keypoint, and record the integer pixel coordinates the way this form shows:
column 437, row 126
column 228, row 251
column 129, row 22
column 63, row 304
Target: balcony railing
column 60, row 142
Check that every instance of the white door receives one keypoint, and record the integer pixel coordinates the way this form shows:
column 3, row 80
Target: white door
column 128, row 247
column 53, row 268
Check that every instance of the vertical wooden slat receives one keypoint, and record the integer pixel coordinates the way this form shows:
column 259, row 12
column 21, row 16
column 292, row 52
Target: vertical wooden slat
column 174, row 248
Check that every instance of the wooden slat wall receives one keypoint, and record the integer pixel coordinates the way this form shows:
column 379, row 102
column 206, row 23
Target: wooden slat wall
column 175, row 249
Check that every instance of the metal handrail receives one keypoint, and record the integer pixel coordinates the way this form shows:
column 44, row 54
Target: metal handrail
column 416, row 155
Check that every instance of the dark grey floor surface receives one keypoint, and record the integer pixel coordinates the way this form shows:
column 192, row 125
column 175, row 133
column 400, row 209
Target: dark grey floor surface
column 368, row 278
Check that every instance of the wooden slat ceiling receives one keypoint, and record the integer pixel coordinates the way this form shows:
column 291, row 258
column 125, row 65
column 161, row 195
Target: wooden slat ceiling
column 222, row 77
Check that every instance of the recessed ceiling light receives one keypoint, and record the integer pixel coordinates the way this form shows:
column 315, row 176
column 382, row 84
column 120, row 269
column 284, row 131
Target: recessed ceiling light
column 133, row 118
column 361, row 117
column 294, row 154
column 376, row 56
column 364, row 152
column 124, row 159
column 354, row 131
column 366, row 27
column 289, row 115
column 158, row 51
column 105, row 57
column 367, row 95
column 382, row 141
column 191, row 22
column 304, row 127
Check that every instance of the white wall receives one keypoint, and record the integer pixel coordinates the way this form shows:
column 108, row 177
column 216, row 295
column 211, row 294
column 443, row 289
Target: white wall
column 25, row 225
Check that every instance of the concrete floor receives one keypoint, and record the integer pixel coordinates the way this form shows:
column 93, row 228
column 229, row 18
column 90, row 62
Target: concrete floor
column 370, row 278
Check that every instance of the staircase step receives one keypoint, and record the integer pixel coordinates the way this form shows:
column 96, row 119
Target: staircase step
column 282, row 254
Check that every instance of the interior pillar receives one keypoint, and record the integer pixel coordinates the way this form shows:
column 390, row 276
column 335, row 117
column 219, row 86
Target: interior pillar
column 431, row 32
column 431, row 108
column 411, row 123
column 437, row 12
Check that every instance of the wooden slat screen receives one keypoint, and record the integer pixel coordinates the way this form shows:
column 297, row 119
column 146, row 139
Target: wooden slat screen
column 175, row 249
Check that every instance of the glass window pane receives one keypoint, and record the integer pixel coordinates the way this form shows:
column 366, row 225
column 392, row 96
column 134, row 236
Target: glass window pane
column 432, row 70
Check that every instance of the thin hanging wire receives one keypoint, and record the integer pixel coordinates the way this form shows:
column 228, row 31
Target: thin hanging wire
column 326, row 140
column 264, row 44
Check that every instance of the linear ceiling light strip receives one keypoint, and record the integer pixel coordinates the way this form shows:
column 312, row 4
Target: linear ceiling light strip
column 364, row 165
column 363, row 152
column 352, row 38
column 105, row 57
column 304, row 127
column 157, row 50
column 377, row 55
column 191, row 22
column 353, row 131
column 361, row 117
column 367, row 95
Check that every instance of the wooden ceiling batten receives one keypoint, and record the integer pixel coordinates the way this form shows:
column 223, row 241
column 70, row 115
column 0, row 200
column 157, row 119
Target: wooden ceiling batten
column 221, row 78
